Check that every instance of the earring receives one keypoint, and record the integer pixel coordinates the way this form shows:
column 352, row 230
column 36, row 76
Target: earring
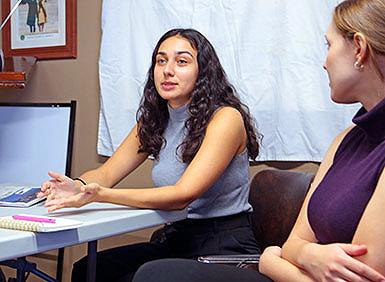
column 358, row 66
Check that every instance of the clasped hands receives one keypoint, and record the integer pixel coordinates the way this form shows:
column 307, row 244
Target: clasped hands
column 62, row 192
column 338, row 262
column 332, row 262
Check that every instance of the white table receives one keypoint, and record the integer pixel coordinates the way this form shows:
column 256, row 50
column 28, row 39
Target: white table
column 100, row 221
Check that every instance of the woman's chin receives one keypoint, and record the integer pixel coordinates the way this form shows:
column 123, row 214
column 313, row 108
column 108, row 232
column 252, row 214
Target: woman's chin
column 335, row 99
column 340, row 99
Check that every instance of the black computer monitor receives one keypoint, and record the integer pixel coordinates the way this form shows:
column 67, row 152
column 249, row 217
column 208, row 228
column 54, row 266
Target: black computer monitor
column 35, row 138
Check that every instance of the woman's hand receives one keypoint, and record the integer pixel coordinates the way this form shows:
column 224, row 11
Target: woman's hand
column 87, row 194
column 336, row 262
column 60, row 186
column 61, row 192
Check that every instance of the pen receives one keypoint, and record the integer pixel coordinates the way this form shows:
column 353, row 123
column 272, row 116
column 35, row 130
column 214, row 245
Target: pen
column 33, row 218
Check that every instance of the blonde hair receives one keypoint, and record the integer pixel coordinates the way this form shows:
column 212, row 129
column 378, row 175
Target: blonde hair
column 366, row 17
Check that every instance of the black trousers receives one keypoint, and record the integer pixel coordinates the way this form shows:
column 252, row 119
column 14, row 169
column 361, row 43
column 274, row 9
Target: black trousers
column 188, row 238
column 183, row 270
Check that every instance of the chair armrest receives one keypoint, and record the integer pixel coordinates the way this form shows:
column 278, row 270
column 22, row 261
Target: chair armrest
column 241, row 261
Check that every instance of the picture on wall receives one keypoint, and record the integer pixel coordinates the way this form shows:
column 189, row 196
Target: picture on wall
column 45, row 29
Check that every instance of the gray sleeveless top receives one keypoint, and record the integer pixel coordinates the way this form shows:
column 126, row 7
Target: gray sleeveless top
column 228, row 195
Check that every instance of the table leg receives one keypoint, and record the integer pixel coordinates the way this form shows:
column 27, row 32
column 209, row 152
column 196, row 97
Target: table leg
column 59, row 265
column 91, row 262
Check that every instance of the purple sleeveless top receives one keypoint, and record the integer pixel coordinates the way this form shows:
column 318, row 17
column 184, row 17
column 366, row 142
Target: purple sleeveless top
column 336, row 206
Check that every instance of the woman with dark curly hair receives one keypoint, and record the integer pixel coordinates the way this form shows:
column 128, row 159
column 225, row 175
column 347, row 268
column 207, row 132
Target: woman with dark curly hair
column 339, row 232
column 201, row 138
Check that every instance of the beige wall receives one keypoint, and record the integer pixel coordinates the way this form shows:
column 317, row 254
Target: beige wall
column 77, row 79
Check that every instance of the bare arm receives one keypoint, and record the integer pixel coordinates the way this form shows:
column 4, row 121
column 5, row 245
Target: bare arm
column 371, row 229
column 225, row 137
column 271, row 261
column 124, row 160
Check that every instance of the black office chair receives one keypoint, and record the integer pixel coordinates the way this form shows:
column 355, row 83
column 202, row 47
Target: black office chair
column 276, row 197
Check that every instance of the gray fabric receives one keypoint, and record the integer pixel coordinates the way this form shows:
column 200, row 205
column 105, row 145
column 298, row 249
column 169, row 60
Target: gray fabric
column 228, row 195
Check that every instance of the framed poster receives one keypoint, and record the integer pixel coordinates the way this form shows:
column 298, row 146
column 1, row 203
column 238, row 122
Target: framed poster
column 45, row 29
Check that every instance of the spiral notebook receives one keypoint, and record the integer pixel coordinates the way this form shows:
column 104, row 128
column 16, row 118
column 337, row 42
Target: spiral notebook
column 36, row 225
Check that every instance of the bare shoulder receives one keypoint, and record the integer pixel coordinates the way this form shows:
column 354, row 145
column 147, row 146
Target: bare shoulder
column 227, row 115
column 370, row 230
column 226, row 124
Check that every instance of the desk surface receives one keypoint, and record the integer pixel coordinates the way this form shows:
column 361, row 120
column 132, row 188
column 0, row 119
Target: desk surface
column 100, row 221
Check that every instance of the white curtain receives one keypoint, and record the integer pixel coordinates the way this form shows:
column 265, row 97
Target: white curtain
column 272, row 51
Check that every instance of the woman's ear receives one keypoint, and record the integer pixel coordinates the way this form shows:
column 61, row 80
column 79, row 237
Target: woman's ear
column 361, row 47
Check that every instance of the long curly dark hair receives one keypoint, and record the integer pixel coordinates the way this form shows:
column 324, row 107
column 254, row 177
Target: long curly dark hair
column 212, row 91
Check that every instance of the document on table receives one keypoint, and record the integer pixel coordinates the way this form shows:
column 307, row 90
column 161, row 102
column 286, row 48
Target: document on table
column 19, row 195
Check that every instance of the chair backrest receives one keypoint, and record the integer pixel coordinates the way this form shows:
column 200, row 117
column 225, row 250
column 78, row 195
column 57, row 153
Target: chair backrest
column 276, row 197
